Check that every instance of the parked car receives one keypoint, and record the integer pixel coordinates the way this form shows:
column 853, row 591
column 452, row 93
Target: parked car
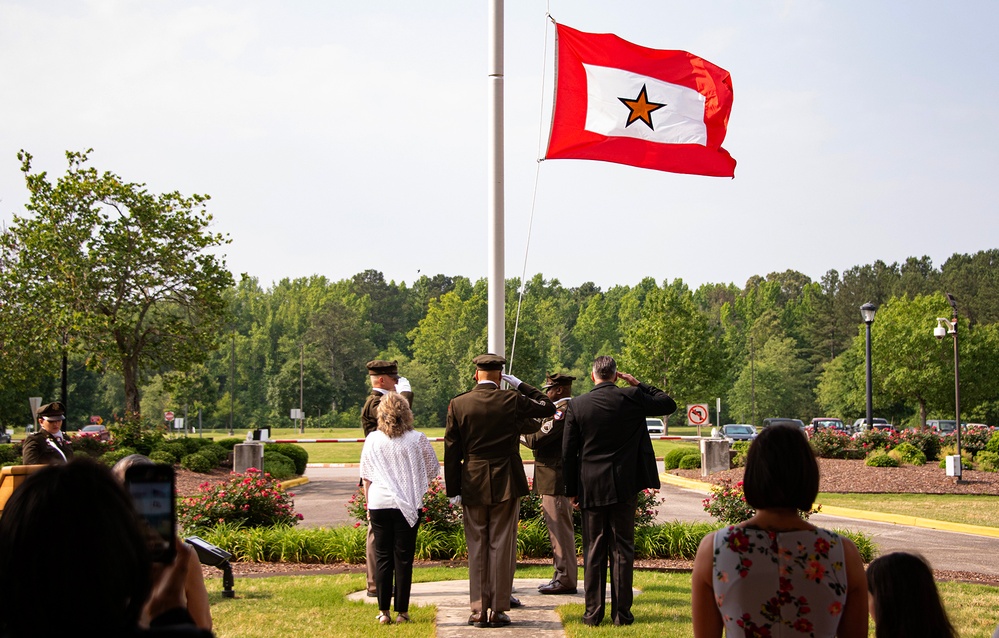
column 738, row 432
column 655, row 426
column 943, row 426
column 824, row 422
column 878, row 424
column 782, row 421
column 4, row 435
column 98, row 431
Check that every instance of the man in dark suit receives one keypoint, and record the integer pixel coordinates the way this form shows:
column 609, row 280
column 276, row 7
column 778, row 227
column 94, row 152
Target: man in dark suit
column 483, row 472
column 550, row 484
column 49, row 445
column 608, row 459
column 384, row 376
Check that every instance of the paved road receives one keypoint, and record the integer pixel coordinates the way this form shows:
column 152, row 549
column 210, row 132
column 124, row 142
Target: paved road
column 322, row 500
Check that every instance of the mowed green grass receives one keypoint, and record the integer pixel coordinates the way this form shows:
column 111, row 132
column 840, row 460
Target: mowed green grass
column 955, row 508
column 305, row 606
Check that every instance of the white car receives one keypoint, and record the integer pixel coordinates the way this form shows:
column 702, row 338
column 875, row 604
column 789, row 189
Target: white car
column 655, row 426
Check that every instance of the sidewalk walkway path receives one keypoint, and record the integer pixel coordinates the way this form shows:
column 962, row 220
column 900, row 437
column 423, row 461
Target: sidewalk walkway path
column 537, row 618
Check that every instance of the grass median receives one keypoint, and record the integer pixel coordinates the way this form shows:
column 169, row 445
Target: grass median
column 305, row 606
column 955, row 508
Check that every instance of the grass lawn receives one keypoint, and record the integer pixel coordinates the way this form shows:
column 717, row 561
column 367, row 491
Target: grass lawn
column 305, row 606
column 955, row 508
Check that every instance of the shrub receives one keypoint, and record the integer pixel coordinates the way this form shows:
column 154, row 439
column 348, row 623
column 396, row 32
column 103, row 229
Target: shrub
column 881, row 459
column 993, row 444
column 909, row 454
column 159, row 456
column 253, row 499
column 987, row 461
column 197, row 463
column 215, row 452
column 975, row 438
column 296, row 453
column 230, row 443
column 928, row 442
column 8, row 454
column 130, row 432
column 175, row 448
column 691, row 461
column 872, row 440
column 530, row 505
column 741, row 448
column 278, row 465
column 830, row 443
column 727, row 503
column 671, row 460
column 89, row 445
column 113, row 456
column 647, row 507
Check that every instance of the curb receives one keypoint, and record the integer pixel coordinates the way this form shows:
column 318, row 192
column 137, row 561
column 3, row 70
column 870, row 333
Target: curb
column 295, row 482
column 864, row 515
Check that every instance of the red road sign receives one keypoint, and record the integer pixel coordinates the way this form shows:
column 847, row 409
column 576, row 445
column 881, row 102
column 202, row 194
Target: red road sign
column 697, row 413
column 168, row 416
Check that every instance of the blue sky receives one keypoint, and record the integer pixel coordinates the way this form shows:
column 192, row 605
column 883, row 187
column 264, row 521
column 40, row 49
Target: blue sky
column 335, row 137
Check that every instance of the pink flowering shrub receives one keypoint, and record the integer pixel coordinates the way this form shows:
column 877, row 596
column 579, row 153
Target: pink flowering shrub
column 253, row 499
column 727, row 504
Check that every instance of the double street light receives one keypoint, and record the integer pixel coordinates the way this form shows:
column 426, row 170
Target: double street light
column 949, row 327
column 867, row 311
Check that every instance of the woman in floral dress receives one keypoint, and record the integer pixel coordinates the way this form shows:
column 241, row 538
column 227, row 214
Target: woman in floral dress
column 776, row 574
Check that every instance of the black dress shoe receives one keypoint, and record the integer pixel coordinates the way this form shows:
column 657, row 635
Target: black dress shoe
column 548, row 584
column 476, row 618
column 557, row 589
column 515, row 602
column 498, row 619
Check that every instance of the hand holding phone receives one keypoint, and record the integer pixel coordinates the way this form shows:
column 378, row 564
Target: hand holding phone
column 154, row 493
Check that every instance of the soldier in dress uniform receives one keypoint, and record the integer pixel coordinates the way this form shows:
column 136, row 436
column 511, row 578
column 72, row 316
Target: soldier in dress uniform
column 48, row 445
column 549, row 482
column 384, row 376
column 484, row 473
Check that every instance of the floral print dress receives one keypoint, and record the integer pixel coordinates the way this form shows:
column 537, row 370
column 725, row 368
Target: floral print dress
column 773, row 584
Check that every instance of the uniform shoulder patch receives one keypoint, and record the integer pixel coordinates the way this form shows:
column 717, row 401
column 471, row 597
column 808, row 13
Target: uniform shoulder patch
column 547, row 427
column 559, row 415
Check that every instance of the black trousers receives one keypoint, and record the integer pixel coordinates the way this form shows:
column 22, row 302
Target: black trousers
column 395, row 546
column 609, row 535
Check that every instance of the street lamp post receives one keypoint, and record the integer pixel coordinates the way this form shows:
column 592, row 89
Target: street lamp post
column 945, row 327
column 867, row 311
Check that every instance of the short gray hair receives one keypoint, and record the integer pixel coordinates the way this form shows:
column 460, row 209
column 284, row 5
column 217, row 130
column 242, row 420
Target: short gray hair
column 605, row 368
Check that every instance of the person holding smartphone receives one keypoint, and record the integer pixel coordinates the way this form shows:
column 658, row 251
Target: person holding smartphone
column 195, row 591
column 105, row 584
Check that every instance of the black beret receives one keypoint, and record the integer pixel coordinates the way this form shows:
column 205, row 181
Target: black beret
column 379, row 366
column 557, row 379
column 489, row 361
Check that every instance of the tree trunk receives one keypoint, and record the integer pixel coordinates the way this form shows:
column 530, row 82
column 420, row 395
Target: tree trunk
column 130, row 373
column 922, row 414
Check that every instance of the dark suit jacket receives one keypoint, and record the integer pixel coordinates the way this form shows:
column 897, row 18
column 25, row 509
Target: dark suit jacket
column 482, row 441
column 547, row 446
column 369, row 413
column 606, row 450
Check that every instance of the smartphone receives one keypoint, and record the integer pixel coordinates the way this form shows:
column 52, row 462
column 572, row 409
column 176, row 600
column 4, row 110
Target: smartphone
column 154, row 493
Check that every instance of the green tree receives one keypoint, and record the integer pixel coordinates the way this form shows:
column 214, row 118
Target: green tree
column 778, row 378
column 123, row 274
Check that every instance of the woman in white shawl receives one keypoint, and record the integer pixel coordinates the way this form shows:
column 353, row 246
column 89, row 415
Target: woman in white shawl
column 397, row 465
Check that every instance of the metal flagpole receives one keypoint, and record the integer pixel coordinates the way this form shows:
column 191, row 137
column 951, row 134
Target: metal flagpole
column 497, row 282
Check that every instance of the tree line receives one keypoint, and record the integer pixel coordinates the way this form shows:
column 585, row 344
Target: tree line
column 89, row 284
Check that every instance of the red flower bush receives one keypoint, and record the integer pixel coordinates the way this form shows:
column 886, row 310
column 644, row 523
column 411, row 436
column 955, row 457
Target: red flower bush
column 253, row 499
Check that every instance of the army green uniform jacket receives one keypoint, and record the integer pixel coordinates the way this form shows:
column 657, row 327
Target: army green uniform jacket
column 38, row 449
column 547, row 446
column 482, row 441
column 369, row 413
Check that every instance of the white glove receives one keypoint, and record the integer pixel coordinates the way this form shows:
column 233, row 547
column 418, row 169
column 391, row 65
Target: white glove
column 455, row 500
column 402, row 385
column 512, row 380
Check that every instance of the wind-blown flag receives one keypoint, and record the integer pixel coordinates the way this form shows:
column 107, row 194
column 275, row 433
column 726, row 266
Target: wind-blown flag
column 619, row 102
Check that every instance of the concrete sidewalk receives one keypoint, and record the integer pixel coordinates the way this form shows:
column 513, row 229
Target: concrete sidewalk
column 536, row 618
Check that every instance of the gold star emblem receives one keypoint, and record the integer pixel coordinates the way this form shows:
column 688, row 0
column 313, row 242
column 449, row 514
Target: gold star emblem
column 640, row 109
